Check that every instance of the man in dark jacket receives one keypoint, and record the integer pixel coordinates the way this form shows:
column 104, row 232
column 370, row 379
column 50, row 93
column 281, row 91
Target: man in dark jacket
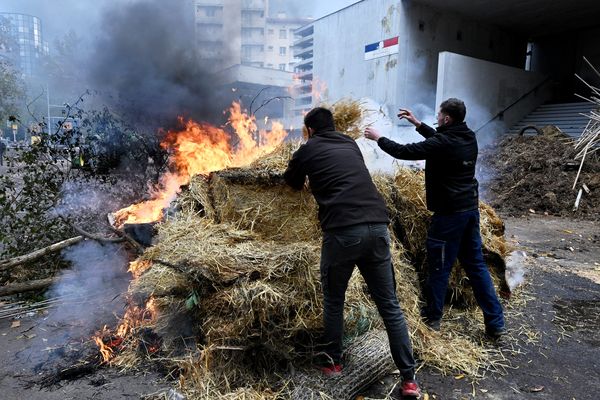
column 452, row 194
column 354, row 220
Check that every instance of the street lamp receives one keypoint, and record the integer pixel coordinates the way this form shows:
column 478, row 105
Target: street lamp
column 14, row 127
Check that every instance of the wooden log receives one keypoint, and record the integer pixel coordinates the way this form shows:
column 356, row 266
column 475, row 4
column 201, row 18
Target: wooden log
column 24, row 287
column 368, row 360
column 95, row 237
column 13, row 262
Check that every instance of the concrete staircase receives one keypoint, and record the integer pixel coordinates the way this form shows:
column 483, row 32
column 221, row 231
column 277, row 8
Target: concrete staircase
column 566, row 116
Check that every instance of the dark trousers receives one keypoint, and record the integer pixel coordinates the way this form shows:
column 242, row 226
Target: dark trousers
column 457, row 236
column 368, row 247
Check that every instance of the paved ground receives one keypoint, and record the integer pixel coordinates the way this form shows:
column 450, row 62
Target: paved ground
column 553, row 349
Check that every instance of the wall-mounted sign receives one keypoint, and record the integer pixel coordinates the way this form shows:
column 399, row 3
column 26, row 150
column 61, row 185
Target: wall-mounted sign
column 381, row 49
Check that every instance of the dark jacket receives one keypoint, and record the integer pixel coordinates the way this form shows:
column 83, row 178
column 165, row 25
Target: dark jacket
column 450, row 153
column 339, row 180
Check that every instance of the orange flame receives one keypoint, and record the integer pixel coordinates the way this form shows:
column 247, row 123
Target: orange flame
column 135, row 317
column 201, row 148
column 138, row 267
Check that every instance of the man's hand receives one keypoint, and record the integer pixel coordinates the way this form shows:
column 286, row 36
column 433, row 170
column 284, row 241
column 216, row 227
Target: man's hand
column 371, row 133
column 409, row 116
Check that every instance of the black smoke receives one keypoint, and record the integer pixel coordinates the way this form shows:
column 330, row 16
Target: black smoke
column 146, row 66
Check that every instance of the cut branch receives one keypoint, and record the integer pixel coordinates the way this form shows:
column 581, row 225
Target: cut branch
column 23, row 287
column 13, row 262
column 95, row 237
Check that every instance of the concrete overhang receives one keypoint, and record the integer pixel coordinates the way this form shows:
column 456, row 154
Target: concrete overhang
column 533, row 18
column 254, row 75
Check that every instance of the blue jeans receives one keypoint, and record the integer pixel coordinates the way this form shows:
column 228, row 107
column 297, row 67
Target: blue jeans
column 368, row 247
column 457, row 236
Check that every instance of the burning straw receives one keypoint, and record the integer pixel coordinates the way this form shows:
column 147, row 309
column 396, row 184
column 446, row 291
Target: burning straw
column 238, row 271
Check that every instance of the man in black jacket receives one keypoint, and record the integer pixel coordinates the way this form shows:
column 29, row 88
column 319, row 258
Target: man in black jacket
column 354, row 220
column 452, row 194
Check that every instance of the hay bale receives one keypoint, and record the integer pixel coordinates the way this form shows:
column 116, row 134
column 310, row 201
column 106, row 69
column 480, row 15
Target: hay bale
column 274, row 211
column 251, row 264
column 410, row 219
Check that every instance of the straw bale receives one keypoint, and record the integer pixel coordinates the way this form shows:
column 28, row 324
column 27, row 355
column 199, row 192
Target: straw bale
column 196, row 197
column 274, row 212
column 250, row 257
column 277, row 161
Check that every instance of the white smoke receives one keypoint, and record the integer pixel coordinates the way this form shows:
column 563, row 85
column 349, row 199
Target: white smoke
column 82, row 300
column 385, row 120
column 515, row 269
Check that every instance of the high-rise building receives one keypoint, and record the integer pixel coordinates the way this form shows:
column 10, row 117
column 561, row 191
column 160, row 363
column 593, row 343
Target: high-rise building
column 25, row 46
column 279, row 40
column 234, row 32
column 230, row 32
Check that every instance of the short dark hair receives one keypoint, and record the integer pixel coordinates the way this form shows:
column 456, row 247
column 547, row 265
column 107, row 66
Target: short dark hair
column 455, row 108
column 320, row 119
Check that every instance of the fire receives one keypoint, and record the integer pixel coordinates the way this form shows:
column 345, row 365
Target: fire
column 138, row 267
column 201, row 148
column 319, row 91
column 135, row 317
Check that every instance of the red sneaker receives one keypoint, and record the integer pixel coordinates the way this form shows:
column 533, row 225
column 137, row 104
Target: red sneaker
column 410, row 388
column 331, row 370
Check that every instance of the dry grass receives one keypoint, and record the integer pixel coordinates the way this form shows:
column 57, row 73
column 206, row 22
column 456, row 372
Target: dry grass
column 247, row 249
column 274, row 212
column 348, row 116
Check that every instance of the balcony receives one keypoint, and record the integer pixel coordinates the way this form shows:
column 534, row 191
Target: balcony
column 304, row 42
column 253, row 41
column 305, row 76
column 253, row 5
column 303, row 88
column 304, row 65
column 303, row 31
column 303, row 54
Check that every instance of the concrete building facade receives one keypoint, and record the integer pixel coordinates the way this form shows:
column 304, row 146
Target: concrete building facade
column 414, row 53
column 279, row 41
column 232, row 32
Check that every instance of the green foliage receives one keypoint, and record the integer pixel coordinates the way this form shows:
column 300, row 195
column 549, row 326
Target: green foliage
column 12, row 91
column 96, row 150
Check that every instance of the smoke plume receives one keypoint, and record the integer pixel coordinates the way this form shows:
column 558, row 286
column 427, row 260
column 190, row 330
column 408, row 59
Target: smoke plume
column 145, row 61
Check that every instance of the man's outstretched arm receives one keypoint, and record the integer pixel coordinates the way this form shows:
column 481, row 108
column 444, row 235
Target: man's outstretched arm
column 295, row 175
column 413, row 151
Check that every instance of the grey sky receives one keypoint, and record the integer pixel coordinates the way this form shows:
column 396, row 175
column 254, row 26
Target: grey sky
column 58, row 16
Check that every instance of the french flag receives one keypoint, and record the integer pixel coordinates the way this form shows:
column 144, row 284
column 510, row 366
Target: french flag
column 381, row 49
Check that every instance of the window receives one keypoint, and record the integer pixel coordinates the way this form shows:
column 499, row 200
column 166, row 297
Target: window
column 282, row 67
column 211, row 12
column 246, row 51
column 271, row 32
column 282, row 34
column 269, row 65
column 270, row 48
column 282, row 51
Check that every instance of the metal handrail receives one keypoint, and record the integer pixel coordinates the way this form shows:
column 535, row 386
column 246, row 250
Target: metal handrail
column 500, row 113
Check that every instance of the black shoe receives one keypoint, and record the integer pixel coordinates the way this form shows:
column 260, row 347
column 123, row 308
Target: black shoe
column 495, row 333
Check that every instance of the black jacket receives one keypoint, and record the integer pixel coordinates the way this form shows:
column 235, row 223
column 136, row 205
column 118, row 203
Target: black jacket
column 450, row 153
column 339, row 180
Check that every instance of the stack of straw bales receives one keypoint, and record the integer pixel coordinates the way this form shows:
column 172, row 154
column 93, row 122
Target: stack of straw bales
column 239, row 266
